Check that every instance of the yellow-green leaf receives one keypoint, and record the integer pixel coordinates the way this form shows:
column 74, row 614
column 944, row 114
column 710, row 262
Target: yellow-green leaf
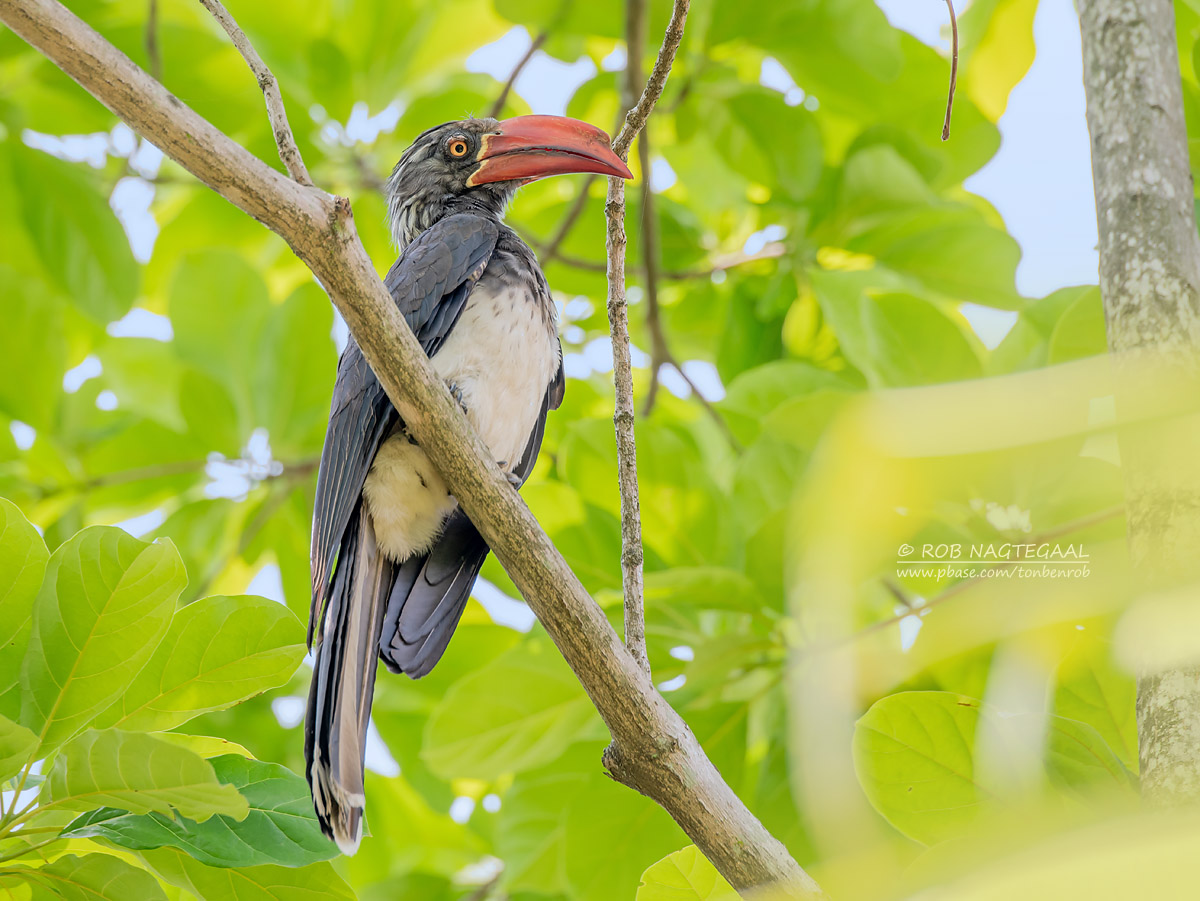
column 685, row 875
column 218, row 651
column 23, row 557
column 104, row 606
column 138, row 773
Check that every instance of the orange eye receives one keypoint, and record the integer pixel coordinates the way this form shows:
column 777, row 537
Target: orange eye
column 458, row 147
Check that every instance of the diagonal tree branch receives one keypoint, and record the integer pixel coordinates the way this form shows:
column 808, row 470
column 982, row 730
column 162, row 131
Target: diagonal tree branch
column 284, row 139
column 653, row 750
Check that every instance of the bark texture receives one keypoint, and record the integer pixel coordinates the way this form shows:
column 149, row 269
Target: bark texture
column 653, row 750
column 1150, row 280
column 632, row 550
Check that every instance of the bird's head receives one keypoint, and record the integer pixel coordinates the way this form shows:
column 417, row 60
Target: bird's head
column 479, row 164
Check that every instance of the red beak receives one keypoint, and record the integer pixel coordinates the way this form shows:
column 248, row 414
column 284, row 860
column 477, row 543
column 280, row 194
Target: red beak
column 532, row 147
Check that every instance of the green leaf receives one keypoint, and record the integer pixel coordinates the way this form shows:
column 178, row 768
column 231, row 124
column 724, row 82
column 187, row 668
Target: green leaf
column 78, row 239
column 837, row 50
column 736, row 130
column 218, row 651
column 315, row 882
column 531, row 832
column 704, row 587
column 145, row 374
column 684, row 875
column 1080, row 331
column 931, row 246
column 514, row 714
column 612, row 835
column 676, row 490
column 207, row 746
column 292, row 384
column 997, row 51
column 914, row 755
column 210, row 290
column 1091, row 689
column 105, row 604
column 281, row 827
column 1027, row 345
column 895, row 339
column 434, row 842
column 138, row 773
column 23, row 557
column 588, row 537
column 17, row 744
column 1078, row 760
column 93, row 877
column 32, row 350
column 758, row 391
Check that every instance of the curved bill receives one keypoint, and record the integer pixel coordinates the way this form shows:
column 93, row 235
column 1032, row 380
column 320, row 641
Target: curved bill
column 530, row 147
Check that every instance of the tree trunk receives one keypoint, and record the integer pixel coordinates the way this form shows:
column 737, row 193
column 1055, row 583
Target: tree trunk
column 1150, row 280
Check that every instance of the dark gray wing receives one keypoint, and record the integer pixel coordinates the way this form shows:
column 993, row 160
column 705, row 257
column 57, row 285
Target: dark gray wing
column 430, row 592
column 430, row 284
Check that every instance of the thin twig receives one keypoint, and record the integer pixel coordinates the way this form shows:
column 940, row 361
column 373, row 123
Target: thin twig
column 284, row 139
column 635, row 119
column 953, row 69
column 618, row 312
column 632, row 553
column 498, row 106
column 164, row 470
column 669, row 359
column 153, row 57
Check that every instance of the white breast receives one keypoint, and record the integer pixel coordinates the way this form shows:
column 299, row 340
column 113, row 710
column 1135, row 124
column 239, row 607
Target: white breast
column 502, row 355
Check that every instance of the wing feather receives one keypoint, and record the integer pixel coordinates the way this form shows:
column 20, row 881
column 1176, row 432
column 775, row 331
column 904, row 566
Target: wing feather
column 430, row 284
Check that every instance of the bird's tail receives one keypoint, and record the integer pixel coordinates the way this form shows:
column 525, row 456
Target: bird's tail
column 339, row 698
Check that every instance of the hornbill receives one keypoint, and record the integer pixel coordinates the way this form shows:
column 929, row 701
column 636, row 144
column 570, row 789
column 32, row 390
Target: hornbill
column 393, row 556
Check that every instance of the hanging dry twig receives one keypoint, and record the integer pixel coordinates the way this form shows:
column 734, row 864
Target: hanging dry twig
column 284, row 139
column 953, row 69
